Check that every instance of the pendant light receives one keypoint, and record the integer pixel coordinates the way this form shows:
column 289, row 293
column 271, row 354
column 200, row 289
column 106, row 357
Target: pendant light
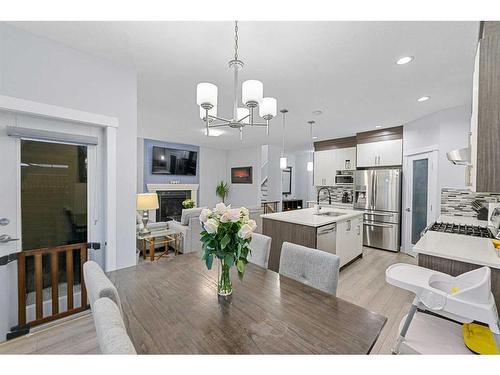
column 310, row 164
column 252, row 96
column 283, row 161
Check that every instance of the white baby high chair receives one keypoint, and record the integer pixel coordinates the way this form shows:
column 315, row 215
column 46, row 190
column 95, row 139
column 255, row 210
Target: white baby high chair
column 464, row 299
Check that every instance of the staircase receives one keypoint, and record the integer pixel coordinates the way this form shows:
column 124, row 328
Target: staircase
column 264, row 173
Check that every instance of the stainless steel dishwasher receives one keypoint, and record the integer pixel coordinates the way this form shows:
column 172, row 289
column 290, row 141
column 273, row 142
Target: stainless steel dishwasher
column 326, row 238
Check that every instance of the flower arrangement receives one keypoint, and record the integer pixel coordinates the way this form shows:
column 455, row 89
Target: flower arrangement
column 226, row 236
column 188, row 203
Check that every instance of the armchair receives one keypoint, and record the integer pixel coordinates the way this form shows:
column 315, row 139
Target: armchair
column 191, row 228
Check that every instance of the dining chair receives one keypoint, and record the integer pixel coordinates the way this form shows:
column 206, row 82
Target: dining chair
column 260, row 247
column 312, row 267
column 111, row 333
column 98, row 285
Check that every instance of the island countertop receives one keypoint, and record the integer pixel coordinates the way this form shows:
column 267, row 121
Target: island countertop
column 459, row 247
column 308, row 217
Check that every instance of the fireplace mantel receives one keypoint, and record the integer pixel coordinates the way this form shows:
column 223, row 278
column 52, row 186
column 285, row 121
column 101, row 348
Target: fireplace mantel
column 153, row 188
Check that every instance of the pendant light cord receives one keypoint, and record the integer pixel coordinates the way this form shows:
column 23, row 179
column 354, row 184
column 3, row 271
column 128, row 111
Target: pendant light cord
column 284, row 133
column 236, row 40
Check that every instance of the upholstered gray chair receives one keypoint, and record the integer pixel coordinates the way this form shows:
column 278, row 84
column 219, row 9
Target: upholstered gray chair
column 260, row 246
column 191, row 228
column 312, row 267
column 111, row 333
column 98, row 285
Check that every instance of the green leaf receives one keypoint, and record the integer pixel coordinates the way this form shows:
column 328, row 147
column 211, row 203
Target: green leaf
column 225, row 240
column 240, row 265
column 229, row 260
column 209, row 261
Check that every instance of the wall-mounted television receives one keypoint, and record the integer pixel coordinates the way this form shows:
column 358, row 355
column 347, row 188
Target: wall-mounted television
column 174, row 162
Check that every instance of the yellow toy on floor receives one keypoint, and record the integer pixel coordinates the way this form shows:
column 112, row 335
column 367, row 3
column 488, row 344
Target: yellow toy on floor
column 479, row 339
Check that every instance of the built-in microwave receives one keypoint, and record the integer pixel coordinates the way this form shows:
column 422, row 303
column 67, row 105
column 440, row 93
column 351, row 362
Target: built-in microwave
column 344, row 178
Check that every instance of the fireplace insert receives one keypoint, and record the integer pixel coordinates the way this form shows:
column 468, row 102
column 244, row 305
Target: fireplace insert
column 170, row 204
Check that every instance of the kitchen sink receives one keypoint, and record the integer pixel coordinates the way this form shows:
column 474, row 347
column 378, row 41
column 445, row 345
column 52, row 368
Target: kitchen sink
column 331, row 213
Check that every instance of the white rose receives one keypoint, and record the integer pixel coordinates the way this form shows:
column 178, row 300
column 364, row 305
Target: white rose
column 220, row 208
column 205, row 213
column 234, row 214
column 252, row 224
column 245, row 231
column 225, row 218
column 211, row 226
column 245, row 212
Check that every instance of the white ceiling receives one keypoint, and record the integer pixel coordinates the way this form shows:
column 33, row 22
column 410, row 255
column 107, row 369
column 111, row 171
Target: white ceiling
column 346, row 69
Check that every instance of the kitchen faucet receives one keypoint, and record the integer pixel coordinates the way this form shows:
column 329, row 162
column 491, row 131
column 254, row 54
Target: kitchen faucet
column 329, row 194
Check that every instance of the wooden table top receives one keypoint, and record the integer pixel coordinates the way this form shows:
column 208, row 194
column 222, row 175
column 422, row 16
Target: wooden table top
column 171, row 307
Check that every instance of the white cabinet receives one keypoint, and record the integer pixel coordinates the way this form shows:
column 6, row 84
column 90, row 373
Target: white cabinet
column 378, row 154
column 349, row 244
column 324, row 168
column 344, row 154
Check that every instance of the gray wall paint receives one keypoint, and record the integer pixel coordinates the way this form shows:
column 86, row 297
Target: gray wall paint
column 150, row 178
column 212, row 171
column 244, row 194
column 38, row 69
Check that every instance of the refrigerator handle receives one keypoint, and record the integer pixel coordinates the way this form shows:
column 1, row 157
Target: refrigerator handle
column 374, row 188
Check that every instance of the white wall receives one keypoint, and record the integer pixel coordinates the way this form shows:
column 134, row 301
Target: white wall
column 304, row 187
column 36, row 68
column 244, row 194
column 212, row 171
column 448, row 130
column 274, row 192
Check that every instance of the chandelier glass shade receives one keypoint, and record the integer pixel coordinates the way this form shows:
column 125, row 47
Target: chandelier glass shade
column 252, row 97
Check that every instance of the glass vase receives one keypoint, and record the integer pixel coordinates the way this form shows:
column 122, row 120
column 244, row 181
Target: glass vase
column 224, row 285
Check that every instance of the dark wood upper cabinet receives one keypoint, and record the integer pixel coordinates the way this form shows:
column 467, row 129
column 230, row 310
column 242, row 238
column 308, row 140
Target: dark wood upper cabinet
column 488, row 110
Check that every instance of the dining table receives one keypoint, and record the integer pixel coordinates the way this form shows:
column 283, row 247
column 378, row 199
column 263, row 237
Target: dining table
column 172, row 307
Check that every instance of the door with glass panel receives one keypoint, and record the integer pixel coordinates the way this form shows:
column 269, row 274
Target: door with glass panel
column 43, row 229
column 421, row 195
column 53, row 229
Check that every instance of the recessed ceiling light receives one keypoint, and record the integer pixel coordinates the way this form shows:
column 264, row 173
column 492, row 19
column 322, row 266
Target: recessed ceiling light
column 317, row 112
column 405, row 60
column 213, row 132
column 378, row 126
column 423, row 98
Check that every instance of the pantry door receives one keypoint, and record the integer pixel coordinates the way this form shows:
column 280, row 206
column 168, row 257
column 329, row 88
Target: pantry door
column 421, row 196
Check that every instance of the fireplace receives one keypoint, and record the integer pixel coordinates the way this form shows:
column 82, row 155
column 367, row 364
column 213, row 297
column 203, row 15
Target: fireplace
column 170, row 197
column 170, row 204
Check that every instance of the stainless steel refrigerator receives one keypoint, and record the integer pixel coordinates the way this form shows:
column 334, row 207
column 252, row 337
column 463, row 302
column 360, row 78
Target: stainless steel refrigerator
column 378, row 193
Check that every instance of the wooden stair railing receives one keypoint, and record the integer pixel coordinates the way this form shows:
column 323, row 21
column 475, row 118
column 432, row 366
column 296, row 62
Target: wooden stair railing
column 54, row 254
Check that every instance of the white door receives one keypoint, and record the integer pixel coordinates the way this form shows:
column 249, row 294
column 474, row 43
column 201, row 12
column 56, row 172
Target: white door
column 9, row 225
column 81, row 213
column 421, row 196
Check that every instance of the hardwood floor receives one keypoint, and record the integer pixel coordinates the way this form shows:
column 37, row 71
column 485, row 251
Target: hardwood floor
column 362, row 283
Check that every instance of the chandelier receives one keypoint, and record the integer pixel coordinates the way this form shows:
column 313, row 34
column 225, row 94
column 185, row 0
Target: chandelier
column 252, row 95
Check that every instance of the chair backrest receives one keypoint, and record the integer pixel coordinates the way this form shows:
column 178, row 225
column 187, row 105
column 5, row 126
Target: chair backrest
column 312, row 267
column 260, row 247
column 98, row 285
column 111, row 333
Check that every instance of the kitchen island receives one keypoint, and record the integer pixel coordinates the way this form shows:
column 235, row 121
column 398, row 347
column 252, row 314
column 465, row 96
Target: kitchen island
column 455, row 254
column 338, row 231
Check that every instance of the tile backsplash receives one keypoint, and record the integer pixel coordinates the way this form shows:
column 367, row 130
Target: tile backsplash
column 458, row 202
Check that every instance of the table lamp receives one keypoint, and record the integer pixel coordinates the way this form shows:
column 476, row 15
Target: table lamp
column 146, row 202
